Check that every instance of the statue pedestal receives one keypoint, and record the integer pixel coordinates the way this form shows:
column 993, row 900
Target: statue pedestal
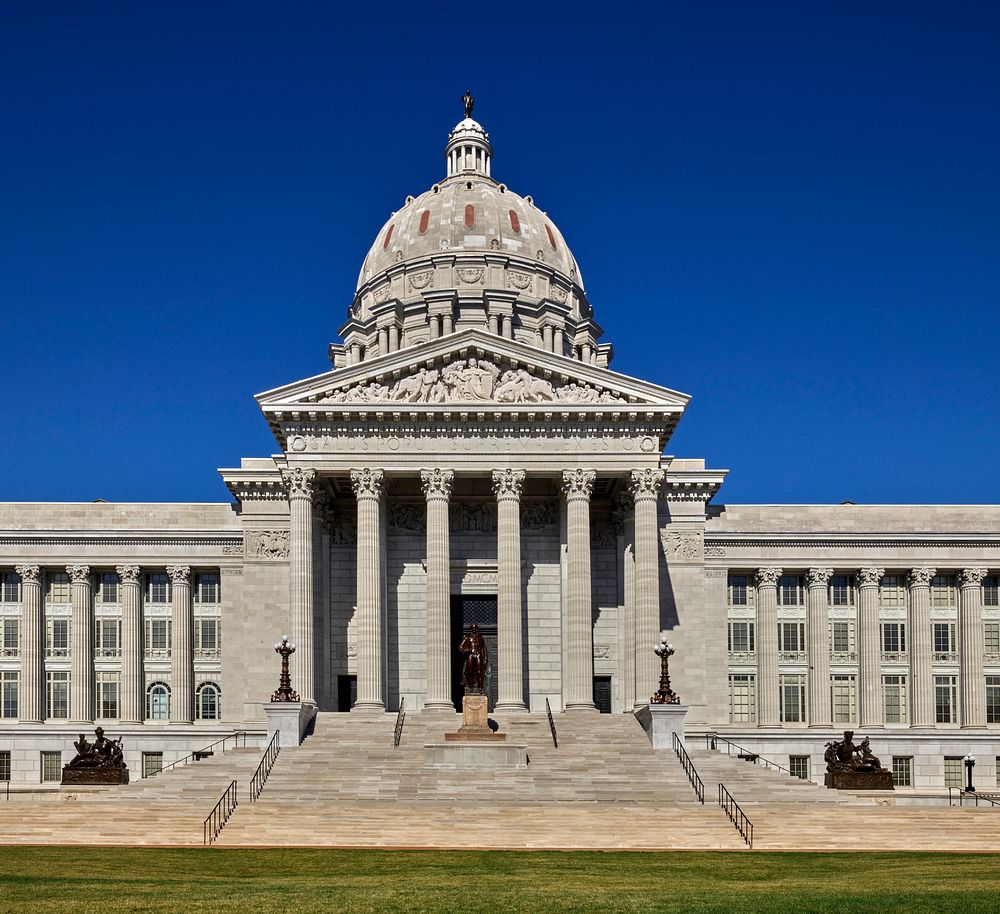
column 290, row 719
column 859, row 780
column 475, row 745
column 94, row 776
column 475, row 723
column 660, row 721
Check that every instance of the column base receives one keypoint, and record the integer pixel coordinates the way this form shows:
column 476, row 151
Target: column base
column 829, row 726
column 510, row 707
column 447, row 706
column 368, row 707
column 581, row 707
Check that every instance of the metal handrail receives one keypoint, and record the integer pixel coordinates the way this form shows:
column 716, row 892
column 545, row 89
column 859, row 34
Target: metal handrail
column 264, row 768
column 963, row 794
column 688, row 766
column 237, row 736
column 552, row 724
column 216, row 820
column 7, row 791
column 736, row 815
column 711, row 740
column 397, row 734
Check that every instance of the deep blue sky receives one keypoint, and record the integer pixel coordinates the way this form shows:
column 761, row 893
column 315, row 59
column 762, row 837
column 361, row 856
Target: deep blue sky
column 791, row 212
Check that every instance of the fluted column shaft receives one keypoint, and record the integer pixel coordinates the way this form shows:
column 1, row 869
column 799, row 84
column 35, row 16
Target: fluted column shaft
column 181, row 646
column 31, row 688
column 818, row 645
column 644, row 486
column 971, row 643
column 301, row 484
column 767, row 647
column 871, row 711
column 368, row 488
column 508, row 486
column 132, row 685
column 81, row 646
column 579, row 680
column 437, row 485
column 921, row 671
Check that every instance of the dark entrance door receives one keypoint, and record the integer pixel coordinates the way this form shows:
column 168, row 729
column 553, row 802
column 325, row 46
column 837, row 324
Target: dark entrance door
column 347, row 692
column 464, row 611
column 602, row 693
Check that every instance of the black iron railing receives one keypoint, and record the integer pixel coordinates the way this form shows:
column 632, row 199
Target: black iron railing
column 397, row 734
column 552, row 724
column 736, row 815
column 264, row 768
column 239, row 738
column 217, row 818
column 6, row 785
column 712, row 741
column 688, row 766
column 971, row 797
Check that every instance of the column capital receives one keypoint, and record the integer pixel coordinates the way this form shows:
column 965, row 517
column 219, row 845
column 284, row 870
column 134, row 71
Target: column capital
column 971, row 577
column 508, row 483
column 368, row 483
column 30, row 574
column 870, row 576
column 437, row 483
column 921, row 577
column 78, row 574
column 644, row 485
column 819, row 577
column 578, row 484
column 179, row 574
column 767, row 577
column 128, row 574
column 299, row 482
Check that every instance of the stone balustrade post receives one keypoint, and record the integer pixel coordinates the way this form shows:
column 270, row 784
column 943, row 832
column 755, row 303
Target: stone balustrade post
column 181, row 645
column 644, row 487
column 31, row 688
column 818, row 645
column 301, row 484
column 437, row 485
column 368, row 490
column 767, row 647
column 972, row 643
column 578, row 485
column 508, row 485
column 921, row 670
column 81, row 646
column 133, row 692
column 871, row 712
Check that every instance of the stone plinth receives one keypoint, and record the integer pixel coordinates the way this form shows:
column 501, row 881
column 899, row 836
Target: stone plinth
column 290, row 719
column 475, row 723
column 859, row 780
column 660, row 721
column 470, row 754
column 95, row 776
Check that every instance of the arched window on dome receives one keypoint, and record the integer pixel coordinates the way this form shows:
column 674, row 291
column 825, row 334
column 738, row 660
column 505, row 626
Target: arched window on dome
column 208, row 702
column 158, row 701
column 388, row 237
column 425, row 217
column 470, row 216
column 515, row 223
column 552, row 238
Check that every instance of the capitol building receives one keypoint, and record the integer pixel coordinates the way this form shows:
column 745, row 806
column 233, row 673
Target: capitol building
column 472, row 456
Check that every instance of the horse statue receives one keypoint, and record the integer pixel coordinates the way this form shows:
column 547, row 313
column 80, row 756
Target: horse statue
column 476, row 661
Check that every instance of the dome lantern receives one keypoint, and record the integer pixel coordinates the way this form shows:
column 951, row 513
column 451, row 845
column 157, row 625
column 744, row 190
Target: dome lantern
column 468, row 150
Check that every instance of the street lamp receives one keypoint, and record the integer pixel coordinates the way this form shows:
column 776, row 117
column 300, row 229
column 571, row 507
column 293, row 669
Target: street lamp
column 664, row 695
column 970, row 763
column 285, row 691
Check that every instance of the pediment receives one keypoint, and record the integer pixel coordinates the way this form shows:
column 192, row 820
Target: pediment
column 467, row 370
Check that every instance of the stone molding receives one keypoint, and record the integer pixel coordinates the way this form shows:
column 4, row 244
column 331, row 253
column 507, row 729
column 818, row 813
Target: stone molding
column 368, row 483
column 688, row 491
column 971, row 577
column 140, row 538
column 508, row 484
column 578, row 484
column 257, row 489
column 645, row 484
column 870, row 576
column 437, row 483
column 300, row 483
column 921, row 577
column 767, row 577
column 819, row 577
column 30, row 574
column 179, row 574
column 847, row 541
column 79, row 574
column 129, row 574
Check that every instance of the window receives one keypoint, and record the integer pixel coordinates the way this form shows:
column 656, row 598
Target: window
column 902, row 770
column 10, row 645
column 51, row 766
column 893, row 640
column 152, row 763
column 991, row 639
column 8, row 693
column 841, row 590
column 107, row 588
column 107, row 695
column 109, row 640
column 739, row 590
column 799, row 766
column 158, row 701
column 206, row 588
column 953, row 771
column 944, row 641
column 894, row 699
column 5, row 765
column 207, row 705
column 742, row 698
column 993, row 699
column 842, row 640
column 892, row 591
column 844, row 694
column 58, row 587
column 792, row 637
column 57, row 638
column 57, row 694
column 741, row 640
column 943, row 590
column 206, row 637
column 991, row 590
column 790, row 590
column 944, row 699
column 157, row 637
column 158, row 588
column 793, row 699
column 10, row 587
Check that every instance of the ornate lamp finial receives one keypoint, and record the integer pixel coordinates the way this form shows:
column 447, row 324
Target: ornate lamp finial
column 664, row 695
column 285, row 691
column 469, row 101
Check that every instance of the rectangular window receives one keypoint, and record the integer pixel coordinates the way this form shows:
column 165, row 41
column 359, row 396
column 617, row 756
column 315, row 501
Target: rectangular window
column 944, row 641
column 902, row 770
column 945, row 698
column 893, row 638
column 57, row 694
column 953, row 771
column 741, row 640
column 158, row 588
column 799, row 766
column 107, row 588
column 842, row 590
column 152, row 763
column 792, row 637
column 57, row 638
column 993, row 699
column 58, row 587
column 844, row 694
column 8, row 693
column 842, row 639
column 739, row 590
column 206, row 637
column 790, row 592
column 11, row 642
column 892, row 591
column 51, row 766
column 991, row 590
column 157, row 637
column 991, row 639
column 107, row 695
column 943, row 590
column 109, row 637
column 793, row 699
column 10, row 587
column 5, row 765
column 742, row 698
column 206, row 588
column 894, row 699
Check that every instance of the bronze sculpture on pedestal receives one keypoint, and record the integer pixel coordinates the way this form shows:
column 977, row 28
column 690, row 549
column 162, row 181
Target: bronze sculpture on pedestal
column 477, row 659
column 854, row 767
column 99, row 762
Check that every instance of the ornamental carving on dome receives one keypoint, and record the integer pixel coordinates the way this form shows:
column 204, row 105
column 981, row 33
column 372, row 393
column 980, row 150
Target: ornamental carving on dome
column 473, row 380
column 380, row 295
column 420, row 280
column 470, row 276
column 516, row 280
column 558, row 293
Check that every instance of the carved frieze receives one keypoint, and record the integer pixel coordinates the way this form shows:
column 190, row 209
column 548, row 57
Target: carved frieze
column 602, row 651
column 682, row 545
column 343, row 531
column 539, row 515
column 381, row 295
column 233, row 549
column 559, row 293
column 407, row 516
column 473, row 517
column 267, row 544
column 519, row 281
column 418, row 281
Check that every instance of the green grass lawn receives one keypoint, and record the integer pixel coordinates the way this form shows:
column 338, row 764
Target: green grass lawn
column 215, row 880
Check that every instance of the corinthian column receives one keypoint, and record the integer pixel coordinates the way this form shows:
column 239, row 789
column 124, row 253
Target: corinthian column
column 437, row 485
column 181, row 646
column 301, row 484
column 818, row 632
column 578, row 485
column 644, row 486
column 767, row 647
column 869, row 649
column 82, row 647
column 133, row 692
column 921, row 671
column 31, row 691
column 508, row 485
column 972, row 644
column 368, row 488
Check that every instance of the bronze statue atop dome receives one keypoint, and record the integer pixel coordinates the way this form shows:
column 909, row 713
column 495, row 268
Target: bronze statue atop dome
column 469, row 101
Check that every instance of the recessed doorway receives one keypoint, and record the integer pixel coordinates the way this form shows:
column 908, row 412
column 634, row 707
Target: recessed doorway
column 466, row 610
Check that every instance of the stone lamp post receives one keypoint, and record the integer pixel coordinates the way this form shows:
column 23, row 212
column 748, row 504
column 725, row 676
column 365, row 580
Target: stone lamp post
column 970, row 763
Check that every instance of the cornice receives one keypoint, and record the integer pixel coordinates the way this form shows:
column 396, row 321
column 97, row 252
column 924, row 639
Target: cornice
column 853, row 540
column 114, row 538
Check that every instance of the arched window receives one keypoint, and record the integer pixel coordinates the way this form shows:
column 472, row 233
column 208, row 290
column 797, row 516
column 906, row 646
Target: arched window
column 207, row 704
column 158, row 701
